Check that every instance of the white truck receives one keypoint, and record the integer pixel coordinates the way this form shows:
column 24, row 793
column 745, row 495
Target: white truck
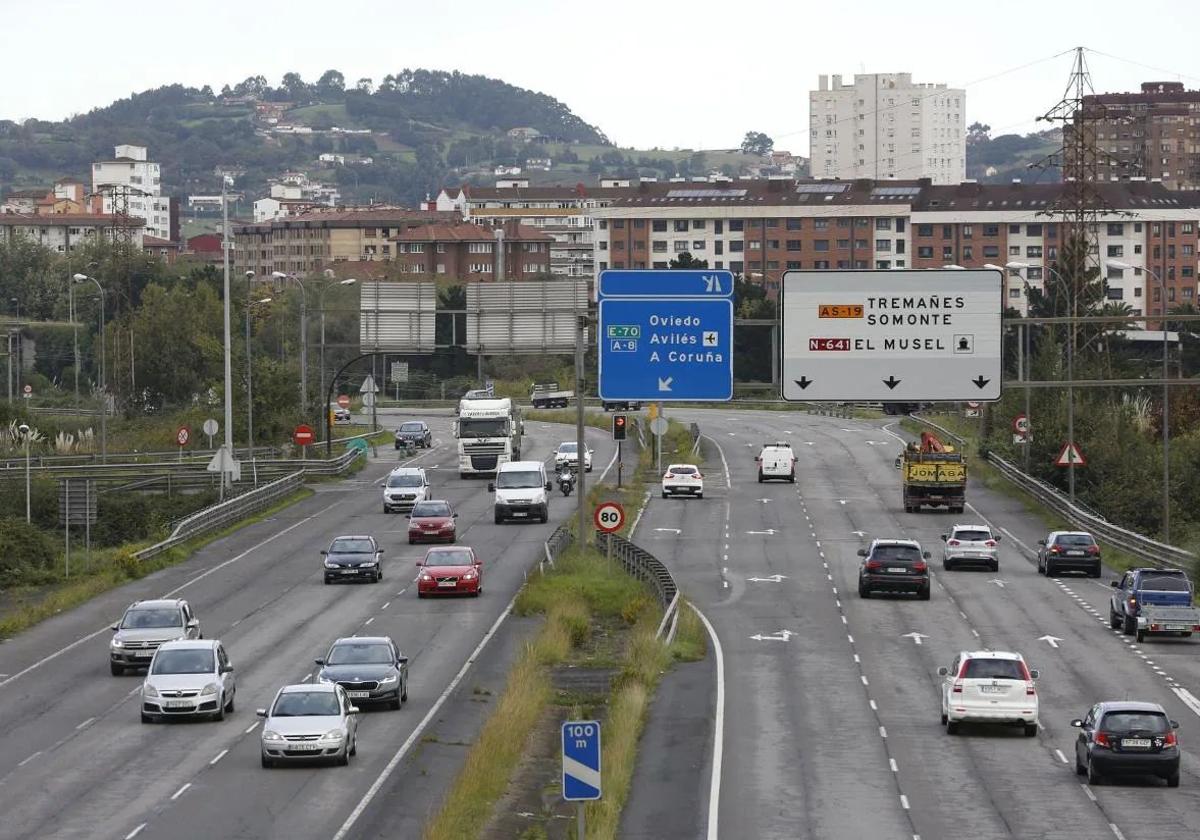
column 489, row 434
column 549, row 395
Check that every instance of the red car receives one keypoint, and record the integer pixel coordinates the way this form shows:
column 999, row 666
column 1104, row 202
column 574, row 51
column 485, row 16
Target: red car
column 450, row 570
column 432, row 521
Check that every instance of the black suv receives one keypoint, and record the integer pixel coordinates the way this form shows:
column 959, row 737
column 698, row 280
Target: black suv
column 1127, row 738
column 1068, row 551
column 894, row 566
column 414, row 433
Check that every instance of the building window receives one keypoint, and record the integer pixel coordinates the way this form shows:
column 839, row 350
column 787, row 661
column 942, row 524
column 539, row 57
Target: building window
column 843, row 244
column 1015, row 229
column 1014, row 293
column 924, row 230
column 968, row 253
column 1034, row 272
column 718, row 248
column 736, row 266
column 793, row 244
column 660, row 265
column 883, row 245
column 659, row 225
column 1033, row 230
column 1033, row 251
column 821, row 245
column 735, row 225
column 604, row 265
column 681, row 246
column 899, row 226
column 991, row 252
column 619, row 245
column 481, row 268
column 821, row 265
column 697, row 224
column 441, row 268
column 1116, row 250
column 899, row 246
column 755, row 245
column 639, row 223
column 482, row 247
column 883, row 224
column 925, row 252
column 441, row 247
column 947, row 254
column 603, row 245
column 883, row 263
column 991, row 230
column 795, row 224
column 1116, row 229
column 967, row 232
column 736, row 246
column 532, row 268
column 698, row 245
column 820, row 224
column 793, row 265
column 369, row 233
column 681, row 226
column 772, row 223
column 1014, row 250
column 416, row 248
column 772, row 265
column 659, row 246
column 717, row 226
column 618, row 224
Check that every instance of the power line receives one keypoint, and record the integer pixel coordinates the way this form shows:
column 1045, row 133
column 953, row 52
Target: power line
column 1144, row 66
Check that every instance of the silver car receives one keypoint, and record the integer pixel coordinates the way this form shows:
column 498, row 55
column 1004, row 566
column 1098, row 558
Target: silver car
column 971, row 545
column 145, row 626
column 188, row 678
column 312, row 720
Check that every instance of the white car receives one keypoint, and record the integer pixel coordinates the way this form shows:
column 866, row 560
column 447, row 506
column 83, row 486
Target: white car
column 568, row 453
column 989, row 686
column 188, row 678
column 970, row 545
column 683, row 479
column 776, row 460
column 404, row 487
column 307, row 721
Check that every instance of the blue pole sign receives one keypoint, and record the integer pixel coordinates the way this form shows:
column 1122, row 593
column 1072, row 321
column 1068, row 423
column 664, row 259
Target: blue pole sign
column 581, row 760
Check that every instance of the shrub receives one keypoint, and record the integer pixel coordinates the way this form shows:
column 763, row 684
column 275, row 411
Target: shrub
column 26, row 554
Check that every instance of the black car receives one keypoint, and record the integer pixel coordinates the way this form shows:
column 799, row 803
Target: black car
column 1127, row 738
column 1068, row 551
column 353, row 558
column 894, row 566
column 370, row 669
column 414, row 433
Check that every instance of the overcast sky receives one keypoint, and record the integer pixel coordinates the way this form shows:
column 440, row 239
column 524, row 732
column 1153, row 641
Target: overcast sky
column 647, row 73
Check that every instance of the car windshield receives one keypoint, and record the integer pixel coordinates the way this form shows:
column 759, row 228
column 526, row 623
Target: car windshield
column 305, row 704
column 359, row 653
column 411, row 427
column 351, row 547
column 972, row 536
column 453, row 557
column 514, row 479
column 149, row 617
column 894, row 553
column 568, row 447
column 183, row 662
column 994, row 669
column 1075, row 539
column 430, row 509
column 1130, row 722
column 1165, row 583
column 682, row 469
column 404, row 480
column 474, row 428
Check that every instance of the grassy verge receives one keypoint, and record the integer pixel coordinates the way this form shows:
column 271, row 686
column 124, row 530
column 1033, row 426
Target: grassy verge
column 111, row 568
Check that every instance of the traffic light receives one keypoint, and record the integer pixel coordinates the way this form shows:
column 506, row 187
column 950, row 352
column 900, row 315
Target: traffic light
column 620, row 426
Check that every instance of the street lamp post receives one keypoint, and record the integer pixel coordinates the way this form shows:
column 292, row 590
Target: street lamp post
column 83, row 278
column 1024, row 359
column 350, row 281
column 279, row 275
column 17, row 309
column 1166, row 403
column 250, row 371
column 24, row 430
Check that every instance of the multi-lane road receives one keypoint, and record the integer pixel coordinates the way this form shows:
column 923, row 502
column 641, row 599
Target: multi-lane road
column 831, row 705
column 76, row 761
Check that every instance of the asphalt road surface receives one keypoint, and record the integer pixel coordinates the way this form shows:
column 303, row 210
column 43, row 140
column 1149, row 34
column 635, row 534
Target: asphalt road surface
column 831, row 723
column 76, row 761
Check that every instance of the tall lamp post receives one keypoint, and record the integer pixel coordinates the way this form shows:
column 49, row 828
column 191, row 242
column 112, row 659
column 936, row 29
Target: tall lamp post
column 1166, row 403
column 1024, row 362
column 279, row 275
column 350, row 281
column 24, row 430
column 250, row 366
column 16, row 304
column 83, row 278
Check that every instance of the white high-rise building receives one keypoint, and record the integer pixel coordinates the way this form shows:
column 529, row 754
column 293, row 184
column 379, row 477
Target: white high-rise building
column 884, row 126
column 140, row 180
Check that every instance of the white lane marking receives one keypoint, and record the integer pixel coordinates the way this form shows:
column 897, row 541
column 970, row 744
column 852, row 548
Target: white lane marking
column 250, row 728
column 368, row 621
column 714, row 787
column 864, row 679
column 1061, row 757
column 857, row 661
column 725, row 465
column 220, row 755
column 85, row 723
column 1188, row 699
column 874, row 708
column 1089, row 793
column 1116, row 831
column 135, row 832
column 892, row 764
column 385, row 606
column 29, row 759
column 976, row 632
column 904, row 802
column 180, row 792
column 882, row 732
column 395, row 760
column 641, row 510
column 176, row 590
column 850, row 639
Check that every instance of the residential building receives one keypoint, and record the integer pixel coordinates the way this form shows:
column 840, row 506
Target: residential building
column 314, row 240
column 22, row 201
column 205, row 247
column 131, row 178
column 883, row 125
column 760, row 229
column 266, row 209
column 1152, row 134
column 162, row 248
column 470, row 252
column 63, row 232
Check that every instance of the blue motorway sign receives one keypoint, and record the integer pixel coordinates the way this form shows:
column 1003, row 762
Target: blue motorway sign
column 581, row 760
column 666, row 335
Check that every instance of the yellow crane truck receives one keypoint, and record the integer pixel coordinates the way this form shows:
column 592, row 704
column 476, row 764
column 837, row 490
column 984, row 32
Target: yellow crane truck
column 933, row 475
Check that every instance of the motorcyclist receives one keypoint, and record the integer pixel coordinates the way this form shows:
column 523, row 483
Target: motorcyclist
column 566, row 478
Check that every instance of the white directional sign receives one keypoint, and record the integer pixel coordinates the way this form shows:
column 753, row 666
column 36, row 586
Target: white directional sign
column 892, row 335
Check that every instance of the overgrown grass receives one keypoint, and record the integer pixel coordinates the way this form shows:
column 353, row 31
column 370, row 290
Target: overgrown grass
column 691, row 639
column 111, row 568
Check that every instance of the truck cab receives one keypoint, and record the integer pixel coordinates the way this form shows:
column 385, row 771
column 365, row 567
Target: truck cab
column 489, row 435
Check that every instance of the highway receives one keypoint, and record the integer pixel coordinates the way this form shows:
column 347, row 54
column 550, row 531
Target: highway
column 831, row 718
column 77, row 763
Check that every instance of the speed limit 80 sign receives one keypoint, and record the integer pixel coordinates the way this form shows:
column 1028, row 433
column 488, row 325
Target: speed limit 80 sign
column 609, row 517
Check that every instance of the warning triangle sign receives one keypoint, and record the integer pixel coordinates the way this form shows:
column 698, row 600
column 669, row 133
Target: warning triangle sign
column 1070, row 455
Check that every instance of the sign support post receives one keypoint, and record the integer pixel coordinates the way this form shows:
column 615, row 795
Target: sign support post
column 580, row 821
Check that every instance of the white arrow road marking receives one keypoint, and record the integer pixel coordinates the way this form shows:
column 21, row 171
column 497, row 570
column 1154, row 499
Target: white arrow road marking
column 859, row 533
column 999, row 582
column 915, row 636
column 787, row 431
column 766, row 501
column 810, row 443
column 768, row 579
column 768, row 532
column 781, row 636
column 665, row 384
column 670, row 530
column 841, row 501
column 1050, row 640
column 588, row 775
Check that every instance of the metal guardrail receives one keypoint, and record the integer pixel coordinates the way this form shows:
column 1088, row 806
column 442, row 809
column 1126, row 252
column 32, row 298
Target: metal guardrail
column 554, row 547
column 641, row 564
column 1144, row 548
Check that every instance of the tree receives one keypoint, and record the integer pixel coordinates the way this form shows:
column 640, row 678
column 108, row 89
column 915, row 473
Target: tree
column 331, row 81
column 978, row 133
column 296, row 88
column 364, row 85
column 757, row 143
column 686, row 260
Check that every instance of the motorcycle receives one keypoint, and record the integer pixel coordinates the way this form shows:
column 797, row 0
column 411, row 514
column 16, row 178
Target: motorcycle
column 566, row 481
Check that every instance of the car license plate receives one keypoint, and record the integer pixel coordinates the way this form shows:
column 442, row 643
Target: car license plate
column 1075, row 553
column 897, row 570
column 991, row 689
column 1179, row 627
column 357, row 694
column 304, row 747
column 520, row 513
column 143, row 654
column 1136, row 743
column 348, row 571
column 178, row 704
column 447, row 583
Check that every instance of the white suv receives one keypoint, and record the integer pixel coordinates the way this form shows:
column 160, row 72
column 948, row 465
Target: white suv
column 404, row 487
column 989, row 686
column 568, row 453
column 776, row 460
column 971, row 545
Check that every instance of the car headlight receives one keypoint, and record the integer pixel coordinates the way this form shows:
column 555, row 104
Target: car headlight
column 149, row 690
column 468, row 576
column 117, row 643
column 371, row 563
column 426, row 576
column 334, row 735
column 329, row 564
column 209, row 690
column 389, row 680
column 268, row 735
column 321, row 678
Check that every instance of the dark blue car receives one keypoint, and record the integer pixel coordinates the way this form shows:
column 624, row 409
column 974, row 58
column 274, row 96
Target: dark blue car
column 1146, row 589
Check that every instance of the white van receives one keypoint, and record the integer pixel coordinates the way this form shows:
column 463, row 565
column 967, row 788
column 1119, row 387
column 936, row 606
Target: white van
column 404, row 487
column 776, row 461
column 522, row 491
